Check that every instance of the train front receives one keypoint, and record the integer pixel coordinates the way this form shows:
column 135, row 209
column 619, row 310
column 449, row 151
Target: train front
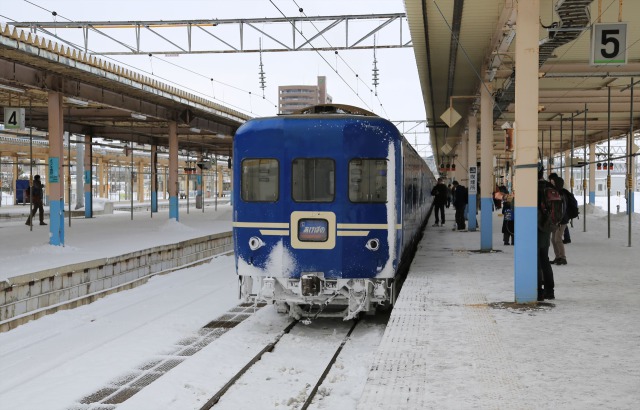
column 316, row 221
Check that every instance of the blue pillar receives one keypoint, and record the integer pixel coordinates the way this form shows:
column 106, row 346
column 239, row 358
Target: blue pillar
column 526, row 254
column 154, row 201
column 88, row 205
column 173, row 208
column 486, row 233
column 592, row 197
column 472, row 222
column 56, row 227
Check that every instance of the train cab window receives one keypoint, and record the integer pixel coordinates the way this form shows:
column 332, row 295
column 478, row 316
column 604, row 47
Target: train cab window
column 259, row 180
column 313, row 180
column 368, row 180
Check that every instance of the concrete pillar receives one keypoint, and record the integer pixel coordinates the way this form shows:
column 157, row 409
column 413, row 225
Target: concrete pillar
column 173, row 171
column 102, row 192
column 154, row 178
column 472, row 161
column 526, row 170
column 15, row 178
column 140, row 181
column 486, row 168
column 568, row 181
column 592, row 173
column 88, row 178
column 55, row 179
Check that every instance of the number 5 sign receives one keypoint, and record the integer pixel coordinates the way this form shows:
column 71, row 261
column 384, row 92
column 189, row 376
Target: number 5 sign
column 609, row 43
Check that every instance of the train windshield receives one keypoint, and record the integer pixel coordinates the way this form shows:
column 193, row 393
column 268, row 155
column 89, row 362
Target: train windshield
column 368, row 180
column 313, row 180
column 260, row 180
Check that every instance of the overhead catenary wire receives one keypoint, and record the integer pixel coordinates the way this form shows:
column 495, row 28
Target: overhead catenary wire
column 338, row 55
column 76, row 46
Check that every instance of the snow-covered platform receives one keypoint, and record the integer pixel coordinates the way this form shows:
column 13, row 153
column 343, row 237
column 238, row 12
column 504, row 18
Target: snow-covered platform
column 454, row 341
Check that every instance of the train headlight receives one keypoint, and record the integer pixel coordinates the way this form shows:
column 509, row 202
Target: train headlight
column 373, row 244
column 255, row 243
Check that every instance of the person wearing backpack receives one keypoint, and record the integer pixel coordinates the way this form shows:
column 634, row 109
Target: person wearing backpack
column 557, row 234
column 546, row 284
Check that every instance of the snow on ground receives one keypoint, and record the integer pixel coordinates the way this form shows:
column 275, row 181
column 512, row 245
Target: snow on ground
column 103, row 236
column 582, row 353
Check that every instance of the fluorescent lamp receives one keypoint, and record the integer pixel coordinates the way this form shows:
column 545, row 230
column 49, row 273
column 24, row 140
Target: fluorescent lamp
column 75, row 101
column 9, row 88
column 195, row 130
column 138, row 116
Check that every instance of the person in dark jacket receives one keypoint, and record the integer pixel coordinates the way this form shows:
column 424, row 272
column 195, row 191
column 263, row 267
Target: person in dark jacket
column 439, row 193
column 460, row 200
column 546, row 284
column 36, row 200
column 508, row 221
column 556, row 236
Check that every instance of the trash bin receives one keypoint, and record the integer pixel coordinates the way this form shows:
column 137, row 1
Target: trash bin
column 198, row 201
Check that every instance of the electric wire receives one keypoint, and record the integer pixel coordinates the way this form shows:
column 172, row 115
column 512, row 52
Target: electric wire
column 76, row 46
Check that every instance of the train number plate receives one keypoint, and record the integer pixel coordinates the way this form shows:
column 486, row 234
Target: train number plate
column 313, row 230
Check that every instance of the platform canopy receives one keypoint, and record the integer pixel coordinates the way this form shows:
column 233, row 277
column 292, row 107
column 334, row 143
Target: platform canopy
column 105, row 100
column 461, row 44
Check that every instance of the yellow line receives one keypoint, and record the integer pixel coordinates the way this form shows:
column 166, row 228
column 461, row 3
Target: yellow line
column 353, row 233
column 260, row 225
column 366, row 226
column 273, row 232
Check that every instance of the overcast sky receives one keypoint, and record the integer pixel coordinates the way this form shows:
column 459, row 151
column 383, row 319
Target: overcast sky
column 237, row 74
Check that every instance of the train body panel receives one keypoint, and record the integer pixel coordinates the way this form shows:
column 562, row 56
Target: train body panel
column 319, row 210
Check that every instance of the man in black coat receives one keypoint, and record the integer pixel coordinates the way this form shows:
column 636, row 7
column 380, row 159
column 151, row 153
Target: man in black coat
column 545, row 271
column 440, row 194
column 36, row 200
column 460, row 199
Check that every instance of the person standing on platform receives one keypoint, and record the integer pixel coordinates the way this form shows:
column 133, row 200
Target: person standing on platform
column 556, row 236
column 546, row 284
column 36, row 200
column 449, row 195
column 508, row 225
column 439, row 192
column 460, row 200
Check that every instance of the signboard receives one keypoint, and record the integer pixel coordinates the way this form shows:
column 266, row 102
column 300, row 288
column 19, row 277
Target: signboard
column 473, row 180
column 450, row 117
column 609, row 43
column 14, row 118
column 54, row 170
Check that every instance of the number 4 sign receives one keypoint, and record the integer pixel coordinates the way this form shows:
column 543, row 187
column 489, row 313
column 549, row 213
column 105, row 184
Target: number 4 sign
column 609, row 43
column 14, row 118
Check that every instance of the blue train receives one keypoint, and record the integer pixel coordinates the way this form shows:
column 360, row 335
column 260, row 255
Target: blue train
column 326, row 204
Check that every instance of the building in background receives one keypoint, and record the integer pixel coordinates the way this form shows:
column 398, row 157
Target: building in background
column 292, row 98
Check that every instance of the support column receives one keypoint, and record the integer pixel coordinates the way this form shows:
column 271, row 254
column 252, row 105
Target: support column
column 472, row 162
column 486, row 169
column 14, row 178
column 101, row 180
column 140, row 181
column 568, row 182
column 154, row 178
column 55, row 177
column 526, row 170
column 592, row 173
column 88, row 177
column 173, row 171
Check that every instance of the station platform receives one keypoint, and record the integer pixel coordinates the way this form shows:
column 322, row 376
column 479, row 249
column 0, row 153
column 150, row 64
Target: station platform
column 456, row 341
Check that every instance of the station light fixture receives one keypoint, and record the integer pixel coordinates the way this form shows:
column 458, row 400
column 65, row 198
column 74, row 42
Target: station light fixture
column 9, row 88
column 75, row 101
column 138, row 116
column 195, row 130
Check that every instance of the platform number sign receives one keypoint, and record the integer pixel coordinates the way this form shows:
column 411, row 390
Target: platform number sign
column 14, row 118
column 609, row 43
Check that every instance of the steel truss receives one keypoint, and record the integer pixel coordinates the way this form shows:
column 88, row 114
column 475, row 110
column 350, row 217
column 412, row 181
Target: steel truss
column 235, row 40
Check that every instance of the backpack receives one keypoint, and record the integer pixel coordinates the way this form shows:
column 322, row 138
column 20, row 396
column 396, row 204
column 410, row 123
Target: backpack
column 552, row 208
column 572, row 205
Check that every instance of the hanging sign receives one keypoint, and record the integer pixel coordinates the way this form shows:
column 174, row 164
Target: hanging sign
column 609, row 44
column 473, row 180
column 14, row 118
column 54, row 170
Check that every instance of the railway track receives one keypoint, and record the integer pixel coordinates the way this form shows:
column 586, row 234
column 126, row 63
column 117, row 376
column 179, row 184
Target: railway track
column 289, row 346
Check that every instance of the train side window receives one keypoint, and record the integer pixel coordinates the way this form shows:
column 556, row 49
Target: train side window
column 313, row 180
column 368, row 180
column 259, row 180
